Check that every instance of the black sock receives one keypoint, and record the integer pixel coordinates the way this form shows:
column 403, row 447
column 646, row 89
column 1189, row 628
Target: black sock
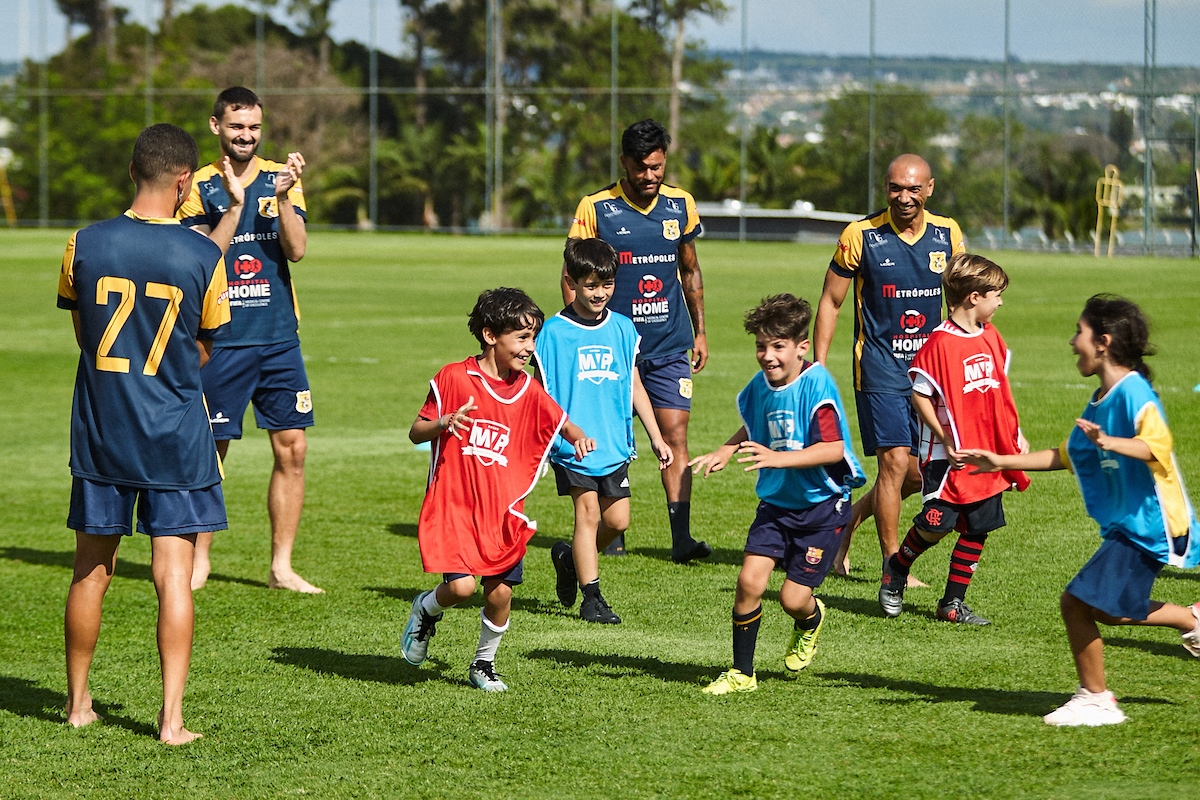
column 812, row 622
column 680, row 515
column 745, row 636
column 591, row 589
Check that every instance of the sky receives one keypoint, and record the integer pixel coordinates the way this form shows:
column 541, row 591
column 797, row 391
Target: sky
column 1108, row 31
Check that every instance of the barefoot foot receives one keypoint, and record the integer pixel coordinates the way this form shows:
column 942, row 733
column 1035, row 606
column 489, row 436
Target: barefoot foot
column 914, row 583
column 292, row 582
column 82, row 717
column 199, row 575
column 175, row 734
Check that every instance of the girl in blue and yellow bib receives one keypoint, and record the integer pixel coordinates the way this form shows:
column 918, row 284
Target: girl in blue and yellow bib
column 1121, row 453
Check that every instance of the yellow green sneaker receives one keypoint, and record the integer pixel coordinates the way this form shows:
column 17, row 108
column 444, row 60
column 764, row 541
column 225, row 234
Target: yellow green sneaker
column 803, row 646
column 732, row 681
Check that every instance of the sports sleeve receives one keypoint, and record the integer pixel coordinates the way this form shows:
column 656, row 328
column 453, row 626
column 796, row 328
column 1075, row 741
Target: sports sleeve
column 824, row 427
column 692, row 227
column 296, row 195
column 1152, row 429
column 67, row 297
column 848, row 254
column 583, row 226
column 214, row 316
column 1065, row 457
column 921, row 383
column 432, row 408
column 957, row 243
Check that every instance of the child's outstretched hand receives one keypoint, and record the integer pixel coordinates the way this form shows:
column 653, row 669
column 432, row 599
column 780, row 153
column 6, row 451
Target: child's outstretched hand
column 982, row 460
column 583, row 447
column 1093, row 432
column 712, row 462
column 663, row 450
column 757, row 456
column 459, row 421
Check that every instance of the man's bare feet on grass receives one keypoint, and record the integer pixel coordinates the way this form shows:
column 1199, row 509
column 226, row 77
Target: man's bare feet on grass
column 841, row 566
column 175, row 734
column 914, row 583
column 292, row 582
column 83, row 716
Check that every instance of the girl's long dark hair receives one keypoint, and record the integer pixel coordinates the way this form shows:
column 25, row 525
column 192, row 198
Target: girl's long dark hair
column 1127, row 326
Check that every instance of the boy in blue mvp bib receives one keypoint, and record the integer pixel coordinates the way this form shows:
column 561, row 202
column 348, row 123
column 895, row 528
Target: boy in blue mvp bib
column 794, row 436
column 585, row 358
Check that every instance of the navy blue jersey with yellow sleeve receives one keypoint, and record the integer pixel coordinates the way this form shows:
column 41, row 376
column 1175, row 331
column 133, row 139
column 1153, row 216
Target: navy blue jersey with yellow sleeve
column 897, row 293
column 143, row 290
column 261, row 294
column 647, row 241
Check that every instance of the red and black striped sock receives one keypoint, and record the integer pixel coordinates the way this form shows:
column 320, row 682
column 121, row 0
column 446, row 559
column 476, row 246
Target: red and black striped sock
column 910, row 550
column 963, row 561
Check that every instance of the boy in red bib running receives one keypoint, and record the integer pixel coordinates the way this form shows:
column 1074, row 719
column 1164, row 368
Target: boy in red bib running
column 491, row 426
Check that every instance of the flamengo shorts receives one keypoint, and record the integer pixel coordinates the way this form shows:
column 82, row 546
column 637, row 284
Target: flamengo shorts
column 615, row 484
column 976, row 519
column 513, row 577
column 1117, row 579
column 886, row 420
column 668, row 381
column 803, row 542
column 107, row 509
column 271, row 376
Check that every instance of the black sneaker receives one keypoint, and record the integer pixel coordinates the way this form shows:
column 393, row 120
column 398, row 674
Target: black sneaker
column 891, row 590
column 566, row 585
column 959, row 612
column 596, row 609
column 616, row 547
column 690, row 552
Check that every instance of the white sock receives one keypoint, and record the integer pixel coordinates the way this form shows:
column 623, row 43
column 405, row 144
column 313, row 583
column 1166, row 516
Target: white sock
column 489, row 639
column 430, row 604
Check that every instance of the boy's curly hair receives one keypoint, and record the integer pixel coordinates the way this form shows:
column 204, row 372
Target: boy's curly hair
column 780, row 316
column 502, row 310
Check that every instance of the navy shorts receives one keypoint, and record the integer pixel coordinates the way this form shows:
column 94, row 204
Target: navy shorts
column 886, row 420
column 107, row 509
column 668, row 381
column 513, row 577
column 803, row 542
column 615, row 484
column 978, row 519
column 271, row 376
column 1117, row 579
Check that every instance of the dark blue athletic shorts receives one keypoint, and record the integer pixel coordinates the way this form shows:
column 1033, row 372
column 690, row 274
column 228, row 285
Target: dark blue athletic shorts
column 982, row 517
column 803, row 542
column 107, row 509
column 271, row 376
column 668, row 381
column 1117, row 579
column 513, row 577
column 886, row 420
column 615, row 484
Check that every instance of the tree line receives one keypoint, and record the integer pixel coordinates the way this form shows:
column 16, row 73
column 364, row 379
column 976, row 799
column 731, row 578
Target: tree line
column 432, row 151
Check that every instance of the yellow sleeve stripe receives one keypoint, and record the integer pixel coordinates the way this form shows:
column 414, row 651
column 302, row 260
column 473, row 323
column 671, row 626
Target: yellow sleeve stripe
column 1168, row 484
column 1065, row 457
column 66, row 275
column 216, row 299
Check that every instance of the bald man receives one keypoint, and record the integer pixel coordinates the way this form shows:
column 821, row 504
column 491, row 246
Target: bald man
column 895, row 260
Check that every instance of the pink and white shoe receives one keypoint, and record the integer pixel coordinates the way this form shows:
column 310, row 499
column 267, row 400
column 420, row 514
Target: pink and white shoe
column 1086, row 708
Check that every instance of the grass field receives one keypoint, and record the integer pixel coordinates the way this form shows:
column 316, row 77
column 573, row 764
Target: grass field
column 302, row 695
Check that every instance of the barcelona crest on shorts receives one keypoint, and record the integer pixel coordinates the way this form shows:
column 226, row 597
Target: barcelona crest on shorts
column 814, row 555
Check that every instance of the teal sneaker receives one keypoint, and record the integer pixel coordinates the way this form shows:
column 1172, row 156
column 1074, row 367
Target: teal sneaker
column 730, row 682
column 483, row 675
column 414, row 642
column 803, row 646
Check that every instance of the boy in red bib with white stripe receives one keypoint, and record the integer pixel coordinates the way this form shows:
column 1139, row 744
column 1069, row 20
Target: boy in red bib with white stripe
column 491, row 426
column 962, row 397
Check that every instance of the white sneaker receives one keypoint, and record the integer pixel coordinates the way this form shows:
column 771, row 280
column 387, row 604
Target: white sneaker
column 1191, row 639
column 483, row 675
column 1087, row 708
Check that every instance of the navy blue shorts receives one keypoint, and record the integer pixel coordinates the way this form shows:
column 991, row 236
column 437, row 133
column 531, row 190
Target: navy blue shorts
column 803, row 542
column 1117, row 579
column 978, row 519
column 107, row 509
column 886, row 420
column 513, row 577
column 668, row 381
column 615, row 484
column 271, row 376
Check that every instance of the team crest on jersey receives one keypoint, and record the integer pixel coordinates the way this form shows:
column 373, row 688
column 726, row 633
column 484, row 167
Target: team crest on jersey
column 595, row 364
column 814, row 555
column 781, row 425
column 304, row 401
column 685, row 388
column 487, row 441
column 937, row 262
column 268, row 207
column 670, row 229
column 979, row 374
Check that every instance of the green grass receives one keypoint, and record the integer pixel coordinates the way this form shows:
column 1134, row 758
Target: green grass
column 309, row 695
